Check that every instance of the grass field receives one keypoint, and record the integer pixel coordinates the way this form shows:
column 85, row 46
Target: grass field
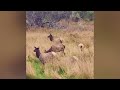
column 62, row 67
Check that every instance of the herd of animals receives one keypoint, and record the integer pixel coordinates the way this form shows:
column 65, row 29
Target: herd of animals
column 57, row 46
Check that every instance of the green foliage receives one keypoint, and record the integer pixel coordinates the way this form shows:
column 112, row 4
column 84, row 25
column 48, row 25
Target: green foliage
column 87, row 15
column 39, row 70
column 61, row 71
column 40, row 74
column 75, row 14
column 37, row 18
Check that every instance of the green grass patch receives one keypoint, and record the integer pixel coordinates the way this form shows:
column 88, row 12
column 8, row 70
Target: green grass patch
column 39, row 68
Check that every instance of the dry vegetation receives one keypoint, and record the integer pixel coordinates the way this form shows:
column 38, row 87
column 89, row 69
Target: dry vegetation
column 62, row 67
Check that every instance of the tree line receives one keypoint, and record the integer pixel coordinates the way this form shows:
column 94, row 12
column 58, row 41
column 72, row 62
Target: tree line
column 49, row 18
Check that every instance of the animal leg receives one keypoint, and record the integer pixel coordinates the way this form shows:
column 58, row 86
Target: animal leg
column 49, row 50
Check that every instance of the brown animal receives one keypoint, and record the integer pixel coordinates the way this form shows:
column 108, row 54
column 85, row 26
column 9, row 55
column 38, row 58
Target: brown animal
column 56, row 48
column 55, row 39
column 45, row 56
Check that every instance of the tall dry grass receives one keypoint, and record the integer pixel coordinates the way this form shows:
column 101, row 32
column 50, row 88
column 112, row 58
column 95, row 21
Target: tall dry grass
column 62, row 67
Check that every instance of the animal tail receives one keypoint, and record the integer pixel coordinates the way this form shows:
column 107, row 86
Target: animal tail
column 64, row 46
column 61, row 41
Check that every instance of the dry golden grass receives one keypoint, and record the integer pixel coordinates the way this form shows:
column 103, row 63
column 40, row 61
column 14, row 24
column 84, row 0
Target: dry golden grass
column 29, row 69
column 63, row 67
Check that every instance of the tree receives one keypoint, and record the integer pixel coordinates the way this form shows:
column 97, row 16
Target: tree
column 75, row 16
column 49, row 18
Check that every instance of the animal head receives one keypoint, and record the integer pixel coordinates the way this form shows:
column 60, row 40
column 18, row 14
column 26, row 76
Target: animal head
column 50, row 37
column 36, row 49
column 81, row 46
column 37, row 52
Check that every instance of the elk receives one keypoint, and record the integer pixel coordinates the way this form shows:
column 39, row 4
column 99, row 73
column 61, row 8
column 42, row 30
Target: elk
column 54, row 39
column 45, row 56
column 56, row 48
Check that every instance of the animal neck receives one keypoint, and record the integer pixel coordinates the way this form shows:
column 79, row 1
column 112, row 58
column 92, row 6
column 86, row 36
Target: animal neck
column 38, row 54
